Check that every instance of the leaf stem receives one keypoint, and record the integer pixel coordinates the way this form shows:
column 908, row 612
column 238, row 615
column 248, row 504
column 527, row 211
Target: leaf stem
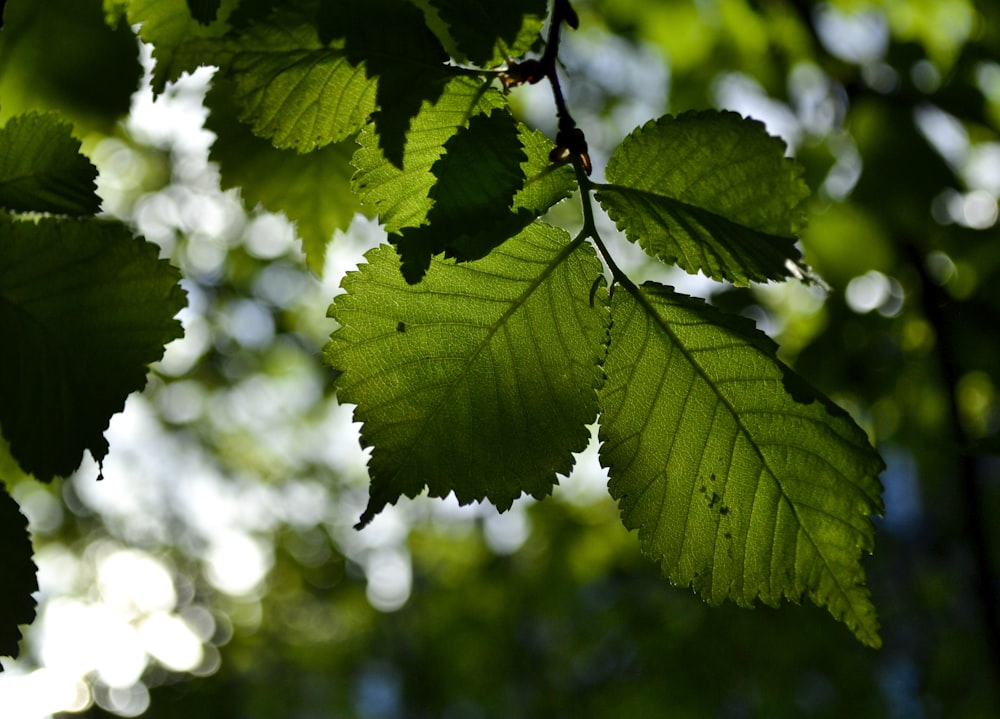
column 590, row 227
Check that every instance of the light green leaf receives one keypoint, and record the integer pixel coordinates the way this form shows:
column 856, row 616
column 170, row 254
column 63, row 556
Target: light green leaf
column 290, row 86
column 18, row 575
column 84, row 307
column 42, row 170
column 481, row 379
column 709, row 191
column 313, row 189
column 743, row 481
column 489, row 33
column 400, row 195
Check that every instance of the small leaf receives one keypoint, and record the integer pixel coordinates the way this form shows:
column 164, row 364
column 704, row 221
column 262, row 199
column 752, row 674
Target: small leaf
column 18, row 575
column 489, row 33
column 313, row 189
column 743, row 481
column 391, row 41
column 42, row 170
column 709, row 191
column 490, row 387
column 84, row 307
column 400, row 195
column 478, row 176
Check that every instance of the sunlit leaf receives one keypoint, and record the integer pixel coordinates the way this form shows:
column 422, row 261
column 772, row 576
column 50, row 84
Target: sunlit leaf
column 490, row 33
column 17, row 575
column 42, row 170
column 481, row 379
column 742, row 480
column 312, row 189
column 84, row 308
column 709, row 191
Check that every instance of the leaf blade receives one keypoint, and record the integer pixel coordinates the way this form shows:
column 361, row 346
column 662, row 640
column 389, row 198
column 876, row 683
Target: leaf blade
column 734, row 468
column 711, row 192
column 18, row 574
column 454, row 377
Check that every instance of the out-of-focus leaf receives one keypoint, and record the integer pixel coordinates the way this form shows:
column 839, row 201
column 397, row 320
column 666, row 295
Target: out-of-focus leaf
column 204, row 11
column 743, row 481
column 312, row 189
column 709, row 191
column 84, row 308
column 42, row 170
column 17, row 575
column 481, row 379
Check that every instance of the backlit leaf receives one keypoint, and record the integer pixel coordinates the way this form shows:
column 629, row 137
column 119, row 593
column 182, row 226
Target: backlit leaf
column 313, row 189
column 744, row 482
column 84, row 308
column 481, row 379
column 709, row 191
column 42, row 170
column 17, row 575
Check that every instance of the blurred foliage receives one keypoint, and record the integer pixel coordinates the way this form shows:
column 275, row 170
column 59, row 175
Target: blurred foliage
column 894, row 108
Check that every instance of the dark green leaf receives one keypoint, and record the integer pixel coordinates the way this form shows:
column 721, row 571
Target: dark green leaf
column 478, row 176
column 389, row 38
column 204, row 11
column 17, row 575
column 42, row 170
column 487, row 389
column 743, row 481
column 490, row 33
column 313, row 189
column 709, row 191
column 84, row 307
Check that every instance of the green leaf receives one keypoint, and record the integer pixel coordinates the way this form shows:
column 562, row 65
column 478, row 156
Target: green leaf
column 489, row 33
column 389, row 38
column 17, row 575
column 181, row 43
column 42, row 170
column 743, row 481
column 84, row 307
column 709, row 191
column 313, row 190
column 481, row 379
column 478, row 176
column 400, row 195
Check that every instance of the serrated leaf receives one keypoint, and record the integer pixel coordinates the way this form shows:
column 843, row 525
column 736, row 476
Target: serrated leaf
column 478, row 176
column 709, row 191
column 84, row 307
column 743, row 481
column 313, row 190
column 181, row 43
column 481, row 379
column 489, row 33
column 42, row 170
column 18, row 575
column 290, row 86
column 399, row 195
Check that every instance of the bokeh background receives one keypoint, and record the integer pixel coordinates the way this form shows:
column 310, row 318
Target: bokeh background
column 215, row 571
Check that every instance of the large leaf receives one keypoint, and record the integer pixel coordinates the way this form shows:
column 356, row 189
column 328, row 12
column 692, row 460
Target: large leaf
column 313, row 189
column 709, row 191
column 17, row 575
column 42, row 170
column 84, row 307
column 489, row 33
column 477, row 178
column 742, row 480
column 479, row 380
